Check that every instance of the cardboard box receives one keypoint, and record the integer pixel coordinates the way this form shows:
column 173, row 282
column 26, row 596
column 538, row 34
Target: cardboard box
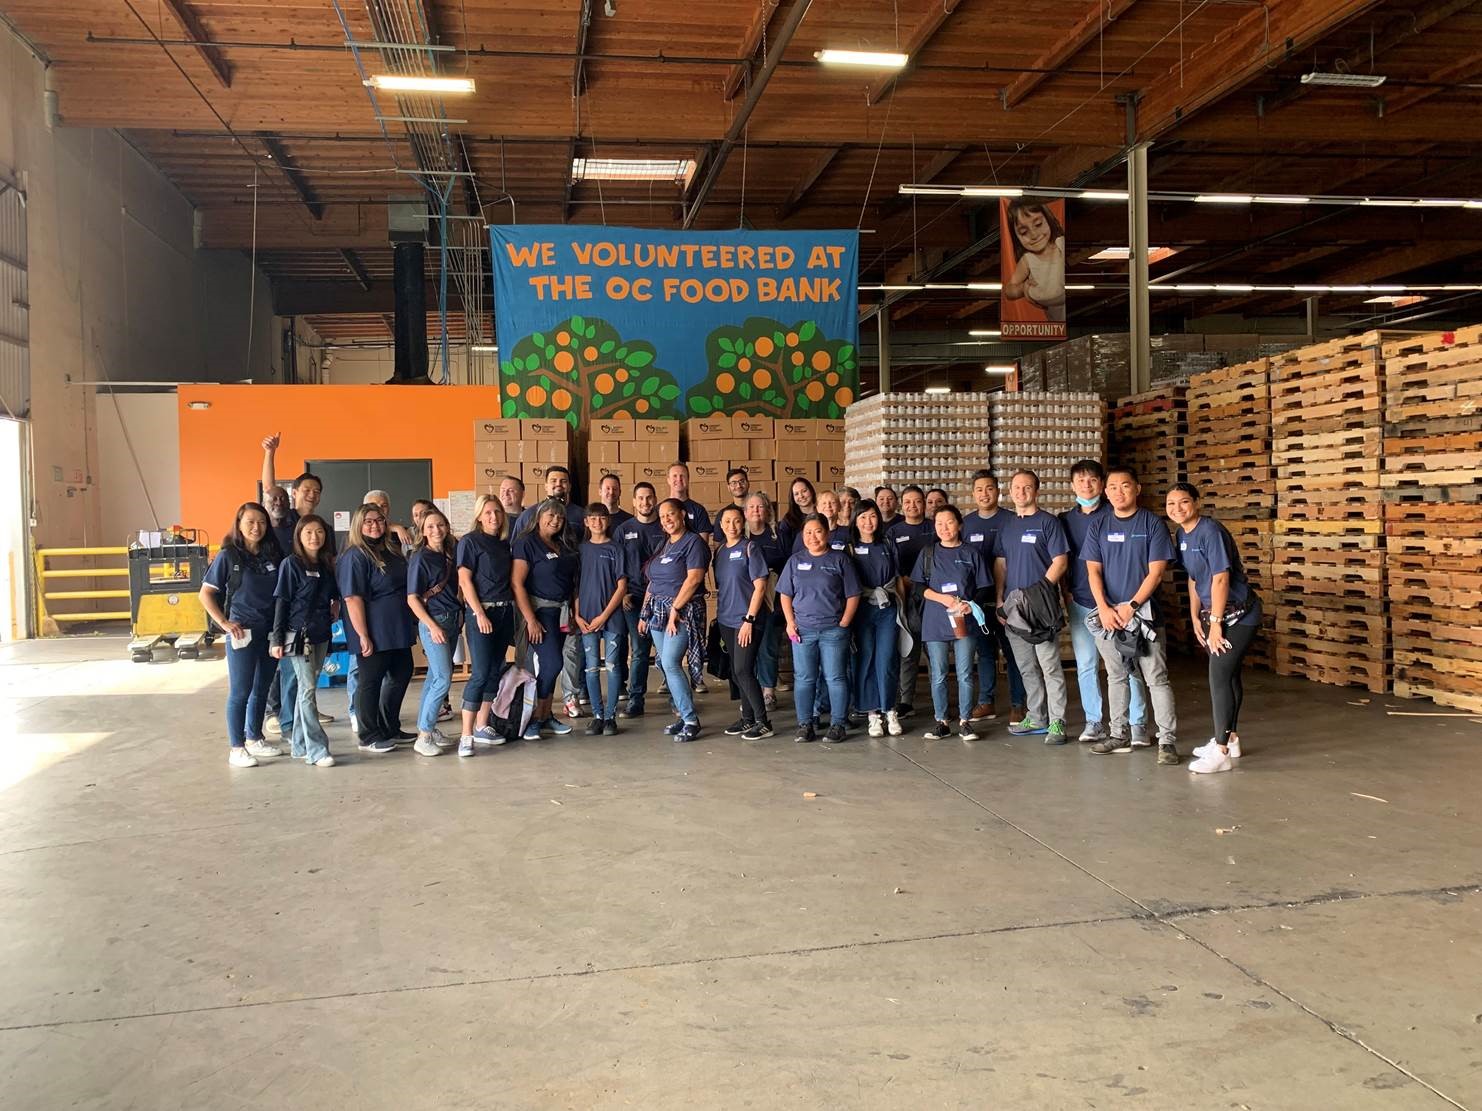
column 752, row 428
column 755, row 471
column 830, row 451
column 831, row 475
column 657, row 473
column 612, row 430
column 490, row 451
column 828, row 429
column 636, row 451
column 789, row 470
column 715, row 451
column 594, row 476
column 533, row 475
column 488, row 476
column 712, row 427
column 540, row 451
column 708, row 473
column 657, row 439
column 712, row 495
column 792, row 430
column 605, row 451
column 496, row 428
column 544, row 429
column 764, row 451
column 797, row 451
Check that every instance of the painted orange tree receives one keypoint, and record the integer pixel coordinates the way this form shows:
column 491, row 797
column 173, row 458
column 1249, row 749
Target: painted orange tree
column 765, row 368
column 583, row 370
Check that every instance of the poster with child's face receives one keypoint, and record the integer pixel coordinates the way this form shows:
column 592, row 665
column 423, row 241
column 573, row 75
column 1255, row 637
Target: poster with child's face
column 1032, row 261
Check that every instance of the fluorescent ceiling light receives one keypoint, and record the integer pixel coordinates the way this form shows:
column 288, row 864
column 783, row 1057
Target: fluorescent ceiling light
column 938, row 389
column 984, row 332
column 984, row 285
column 407, row 83
column 1102, row 194
column 990, row 191
column 1122, row 254
column 996, row 368
column 484, row 349
column 1281, row 200
column 876, row 58
column 1344, row 80
column 1224, row 198
column 677, row 171
column 1080, row 287
column 1399, row 301
column 1386, row 202
column 905, row 288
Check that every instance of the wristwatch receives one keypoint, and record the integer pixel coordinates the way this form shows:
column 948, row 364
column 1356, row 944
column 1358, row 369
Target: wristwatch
column 750, row 619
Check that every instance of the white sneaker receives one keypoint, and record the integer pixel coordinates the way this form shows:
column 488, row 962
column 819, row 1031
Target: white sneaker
column 426, row 746
column 1092, row 732
column 1213, row 747
column 325, row 761
column 263, row 748
column 271, row 725
column 1211, row 762
column 241, row 758
column 877, row 727
column 893, row 723
column 465, row 746
column 701, row 688
column 354, row 725
column 441, row 739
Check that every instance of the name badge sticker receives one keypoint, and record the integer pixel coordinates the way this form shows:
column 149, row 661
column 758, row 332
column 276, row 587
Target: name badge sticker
column 976, row 538
column 1029, row 538
column 863, row 549
column 1183, row 546
column 666, row 559
column 1116, row 537
column 949, row 588
column 552, row 555
column 805, row 567
column 312, row 574
column 737, row 555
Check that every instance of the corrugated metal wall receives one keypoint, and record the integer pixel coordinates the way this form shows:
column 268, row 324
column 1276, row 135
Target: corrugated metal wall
column 15, row 305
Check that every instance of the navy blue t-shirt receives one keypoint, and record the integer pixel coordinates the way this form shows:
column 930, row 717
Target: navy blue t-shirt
column 1028, row 545
column 1207, row 551
column 673, row 560
column 909, row 539
column 838, row 540
column 720, row 537
column 293, row 519
column 640, row 539
column 773, row 546
column 576, row 522
column 818, row 585
column 384, row 592
column 425, row 570
column 876, row 564
column 981, row 533
column 736, row 570
column 552, row 574
column 602, row 565
column 488, row 557
column 958, row 571
column 615, row 519
column 1125, row 546
column 251, row 601
column 1077, row 527
column 310, row 593
column 696, row 517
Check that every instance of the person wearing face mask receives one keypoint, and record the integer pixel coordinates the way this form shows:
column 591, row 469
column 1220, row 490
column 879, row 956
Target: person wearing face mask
column 762, row 532
column 980, row 531
column 1126, row 554
column 910, row 533
column 372, row 577
column 641, row 535
column 237, row 594
column 1088, row 480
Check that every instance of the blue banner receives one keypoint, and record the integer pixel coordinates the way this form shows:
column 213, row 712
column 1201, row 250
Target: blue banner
column 605, row 323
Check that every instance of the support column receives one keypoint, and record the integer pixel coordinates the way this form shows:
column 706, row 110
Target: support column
column 883, row 316
column 1311, row 304
column 1141, row 351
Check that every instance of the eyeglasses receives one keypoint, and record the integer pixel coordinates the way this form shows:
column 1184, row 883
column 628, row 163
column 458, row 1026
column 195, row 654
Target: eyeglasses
column 369, row 520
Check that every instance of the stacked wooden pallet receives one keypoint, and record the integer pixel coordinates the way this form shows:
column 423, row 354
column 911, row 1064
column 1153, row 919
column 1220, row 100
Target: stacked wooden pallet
column 1328, row 551
column 1227, row 454
column 1432, row 491
column 1147, row 433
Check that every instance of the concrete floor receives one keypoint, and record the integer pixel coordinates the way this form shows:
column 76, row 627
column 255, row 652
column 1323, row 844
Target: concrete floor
column 626, row 922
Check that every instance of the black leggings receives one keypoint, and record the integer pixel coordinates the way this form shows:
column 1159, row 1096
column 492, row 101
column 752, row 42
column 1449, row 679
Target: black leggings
column 1226, row 690
column 548, row 653
column 744, row 685
column 384, row 678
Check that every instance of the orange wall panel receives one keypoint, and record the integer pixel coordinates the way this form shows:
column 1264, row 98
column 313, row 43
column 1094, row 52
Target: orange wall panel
column 221, row 446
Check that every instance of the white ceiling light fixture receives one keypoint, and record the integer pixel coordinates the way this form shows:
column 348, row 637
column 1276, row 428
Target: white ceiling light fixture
column 1000, row 368
column 1122, row 254
column 1102, row 194
column 677, row 171
column 1281, row 199
column 484, row 349
column 1399, row 301
column 938, row 389
column 875, row 59
column 1224, row 198
column 991, row 191
column 407, row 83
column 984, row 332
column 1344, row 80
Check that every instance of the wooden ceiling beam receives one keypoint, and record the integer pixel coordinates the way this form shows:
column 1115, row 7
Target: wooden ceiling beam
column 220, row 68
column 937, row 14
column 750, row 43
column 1241, row 52
column 1081, row 35
column 811, row 174
column 1465, row 69
column 295, row 176
column 356, row 267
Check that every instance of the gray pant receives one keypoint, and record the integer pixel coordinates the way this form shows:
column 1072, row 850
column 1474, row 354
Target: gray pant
column 911, row 661
column 1044, row 679
column 574, row 664
column 1153, row 667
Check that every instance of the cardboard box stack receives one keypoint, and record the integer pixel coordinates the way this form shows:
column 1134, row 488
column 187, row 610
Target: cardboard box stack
column 1431, row 482
column 928, row 439
column 523, row 448
column 633, row 449
column 1228, row 456
column 1328, row 549
column 772, row 451
column 1045, row 433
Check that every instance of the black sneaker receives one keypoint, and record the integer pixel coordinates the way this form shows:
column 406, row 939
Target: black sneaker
column 690, row 731
column 631, row 710
column 938, row 732
column 609, row 728
column 674, row 729
column 904, row 711
column 594, row 727
column 736, row 728
column 806, row 735
column 1167, row 754
column 759, row 731
column 835, row 734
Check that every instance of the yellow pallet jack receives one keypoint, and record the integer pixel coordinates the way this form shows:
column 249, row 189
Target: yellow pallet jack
column 166, row 570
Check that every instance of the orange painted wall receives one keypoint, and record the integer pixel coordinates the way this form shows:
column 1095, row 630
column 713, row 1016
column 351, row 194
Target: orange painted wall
column 221, row 447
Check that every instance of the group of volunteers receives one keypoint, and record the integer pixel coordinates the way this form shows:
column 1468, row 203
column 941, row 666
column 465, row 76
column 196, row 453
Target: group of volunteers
column 857, row 586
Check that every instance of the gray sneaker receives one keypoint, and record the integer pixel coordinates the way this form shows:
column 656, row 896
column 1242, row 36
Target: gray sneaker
column 1111, row 744
column 1094, row 731
column 1056, row 734
column 1167, row 754
column 426, row 746
column 1140, row 737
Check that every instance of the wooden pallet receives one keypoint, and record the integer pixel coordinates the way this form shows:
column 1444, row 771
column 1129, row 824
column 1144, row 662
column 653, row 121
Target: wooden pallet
column 1321, row 358
column 1442, row 384
column 1336, row 667
column 1416, row 675
column 1422, row 631
column 1302, row 527
column 1395, row 346
column 1335, row 625
column 1298, row 444
column 1300, row 545
column 1464, row 488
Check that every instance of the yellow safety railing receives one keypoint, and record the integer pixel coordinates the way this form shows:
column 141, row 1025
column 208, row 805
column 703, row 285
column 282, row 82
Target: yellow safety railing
column 46, row 619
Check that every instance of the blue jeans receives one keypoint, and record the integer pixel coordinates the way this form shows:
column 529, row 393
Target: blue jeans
column 309, row 738
column 592, row 646
column 352, row 683
column 1087, row 659
column 634, row 657
column 486, row 653
column 768, row 629
column 876, row 658
column 287, row 695
column 671, row 662
column 439, row 672
column 990, row 645
column 250, row 672
column 960, row 649
column 825, row 651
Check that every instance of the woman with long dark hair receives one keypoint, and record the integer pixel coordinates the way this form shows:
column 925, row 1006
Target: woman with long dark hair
column 308, row 603
column 373, row 581
column 237, row 594
column 484, row 567
column 876, row 639
column 543, row 575
column 673, row 613
column 802, row 503
column 740, row 609
column 432, row 596
column 761, row 532
column 1226, row 613
column 819, row 595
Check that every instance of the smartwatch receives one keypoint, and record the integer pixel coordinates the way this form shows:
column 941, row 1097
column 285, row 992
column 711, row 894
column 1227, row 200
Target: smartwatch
column 750, row 619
